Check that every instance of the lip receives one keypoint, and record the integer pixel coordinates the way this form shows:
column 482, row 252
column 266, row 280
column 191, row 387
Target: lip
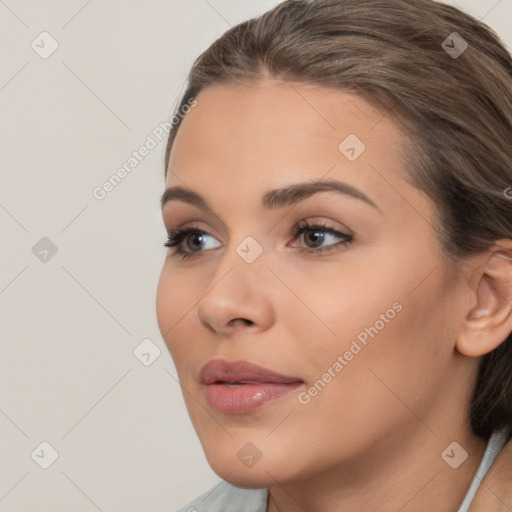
column 217, row 370
column 258, row 385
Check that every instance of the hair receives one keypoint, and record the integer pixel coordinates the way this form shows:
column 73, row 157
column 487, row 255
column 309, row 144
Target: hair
column 455, row 109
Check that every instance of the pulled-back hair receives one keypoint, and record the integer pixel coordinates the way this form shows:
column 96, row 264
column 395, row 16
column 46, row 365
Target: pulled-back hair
column 454, row 103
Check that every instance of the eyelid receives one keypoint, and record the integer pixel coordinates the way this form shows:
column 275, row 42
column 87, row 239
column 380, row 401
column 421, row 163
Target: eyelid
column 324, row 220
column 199, row 225
column 306, row 220
column 185, row 214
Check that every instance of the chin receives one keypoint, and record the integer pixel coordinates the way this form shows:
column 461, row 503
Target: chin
column 263, row 473
column 246, row 478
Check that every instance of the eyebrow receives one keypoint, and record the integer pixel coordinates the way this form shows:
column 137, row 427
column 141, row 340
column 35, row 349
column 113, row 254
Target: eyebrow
column 277, row 198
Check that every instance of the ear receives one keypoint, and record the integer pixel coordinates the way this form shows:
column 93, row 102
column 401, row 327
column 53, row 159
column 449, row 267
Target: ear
column 489, row 322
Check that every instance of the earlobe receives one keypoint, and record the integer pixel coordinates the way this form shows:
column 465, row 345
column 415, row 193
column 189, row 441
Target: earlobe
column 489, row 322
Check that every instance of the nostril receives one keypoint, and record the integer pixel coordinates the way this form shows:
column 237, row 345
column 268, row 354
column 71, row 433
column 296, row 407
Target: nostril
column 243, row 320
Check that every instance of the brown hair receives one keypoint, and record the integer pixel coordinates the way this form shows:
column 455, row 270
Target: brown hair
column 455, row 108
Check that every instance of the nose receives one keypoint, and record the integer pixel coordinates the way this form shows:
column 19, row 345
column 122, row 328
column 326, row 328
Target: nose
column 238, row 298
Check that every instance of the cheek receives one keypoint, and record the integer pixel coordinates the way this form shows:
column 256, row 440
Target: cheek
column 164, row 303
column 174, row 308
column 394, row 371
column 381, row 325
column 339, row 305
column 404, row 355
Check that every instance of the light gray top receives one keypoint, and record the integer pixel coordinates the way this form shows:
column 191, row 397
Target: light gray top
column 224, row 497
column 496, row 442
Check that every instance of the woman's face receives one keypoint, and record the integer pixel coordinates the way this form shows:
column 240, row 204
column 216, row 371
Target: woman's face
column 367, row 328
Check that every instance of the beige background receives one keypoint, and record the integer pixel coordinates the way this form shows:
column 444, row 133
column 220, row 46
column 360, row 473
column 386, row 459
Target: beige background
column 70, row 321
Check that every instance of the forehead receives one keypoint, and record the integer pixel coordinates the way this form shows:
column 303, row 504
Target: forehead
column 245, row 139
column 275, row 117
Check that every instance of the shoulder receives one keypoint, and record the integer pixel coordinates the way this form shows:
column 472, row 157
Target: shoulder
column 226, row 497
column 495, row 491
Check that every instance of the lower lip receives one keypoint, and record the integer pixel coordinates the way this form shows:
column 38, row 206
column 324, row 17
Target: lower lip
column 245, row 397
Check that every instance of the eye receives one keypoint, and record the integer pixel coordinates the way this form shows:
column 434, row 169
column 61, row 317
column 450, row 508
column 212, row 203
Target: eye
column 316, row 234
column 176, row 236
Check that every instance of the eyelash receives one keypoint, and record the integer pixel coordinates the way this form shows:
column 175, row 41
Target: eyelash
column 176, row 236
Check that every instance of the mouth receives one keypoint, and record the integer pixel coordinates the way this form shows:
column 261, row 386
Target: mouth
column 234, row 384
column 240, row 387
column 219, row 371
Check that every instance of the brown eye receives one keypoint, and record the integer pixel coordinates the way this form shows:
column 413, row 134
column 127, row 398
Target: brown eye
column 314, row 236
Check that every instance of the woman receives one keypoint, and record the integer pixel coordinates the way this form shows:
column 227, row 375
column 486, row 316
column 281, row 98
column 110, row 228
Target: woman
column 337, row 292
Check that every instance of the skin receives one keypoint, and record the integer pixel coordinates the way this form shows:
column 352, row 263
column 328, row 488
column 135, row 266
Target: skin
column 372, row 438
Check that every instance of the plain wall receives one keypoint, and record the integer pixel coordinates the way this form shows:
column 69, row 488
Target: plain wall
column 70, row 320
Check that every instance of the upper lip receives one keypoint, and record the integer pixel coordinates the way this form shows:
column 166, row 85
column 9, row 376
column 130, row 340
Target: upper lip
column 219, row 370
